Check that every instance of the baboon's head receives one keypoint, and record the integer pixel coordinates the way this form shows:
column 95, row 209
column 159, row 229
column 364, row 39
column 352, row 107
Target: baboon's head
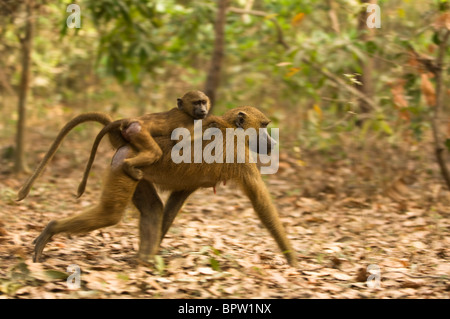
column 246, row 117
column 195, row 103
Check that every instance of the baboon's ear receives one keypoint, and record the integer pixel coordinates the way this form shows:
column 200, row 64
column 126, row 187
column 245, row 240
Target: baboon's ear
column 240, row 119
column 180, row 103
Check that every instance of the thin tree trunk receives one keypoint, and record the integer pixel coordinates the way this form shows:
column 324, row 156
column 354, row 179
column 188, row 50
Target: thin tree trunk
column 213, row 79
column 439, row 147
column 20, row 164
column 333, row 16
column 366, row 87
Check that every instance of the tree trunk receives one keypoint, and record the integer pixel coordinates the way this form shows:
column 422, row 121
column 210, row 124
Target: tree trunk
column 440, row 95
column 213, row 79
column 365, row 34
column 27, row 43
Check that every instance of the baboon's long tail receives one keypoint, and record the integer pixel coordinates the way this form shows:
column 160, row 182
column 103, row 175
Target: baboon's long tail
column 100, row 135
column 102, row 118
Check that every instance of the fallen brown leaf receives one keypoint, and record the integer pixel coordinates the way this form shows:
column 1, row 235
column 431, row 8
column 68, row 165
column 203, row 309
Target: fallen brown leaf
column 361, row 275
column 410, row 284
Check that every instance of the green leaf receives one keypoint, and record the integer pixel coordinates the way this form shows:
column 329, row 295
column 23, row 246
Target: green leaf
column 123, row 276
column 384, row 126
column 159, row 264
column 63, row 31
column 371, row 47
column 436, row 39
column 214, row 264
column 9, row 287
column 447, row 144
column 125, row 12
column 157, row 23
column 55, row 274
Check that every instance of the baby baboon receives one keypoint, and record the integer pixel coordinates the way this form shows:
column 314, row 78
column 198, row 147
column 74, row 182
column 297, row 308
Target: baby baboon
column 141, row 131
column 182, row 179
column 138, row 131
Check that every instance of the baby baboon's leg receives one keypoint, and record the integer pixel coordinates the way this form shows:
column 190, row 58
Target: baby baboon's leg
column 150, row 206
column 148, row 150
column 117, row 192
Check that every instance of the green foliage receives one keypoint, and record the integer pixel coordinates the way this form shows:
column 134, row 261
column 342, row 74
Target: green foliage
column 214, row 264
column 152, row 46
column 138, row 37
column 447, row 144
column 126, row 44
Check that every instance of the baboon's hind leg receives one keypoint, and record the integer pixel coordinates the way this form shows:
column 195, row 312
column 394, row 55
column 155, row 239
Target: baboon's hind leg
column 150, row 206
column 116, row 194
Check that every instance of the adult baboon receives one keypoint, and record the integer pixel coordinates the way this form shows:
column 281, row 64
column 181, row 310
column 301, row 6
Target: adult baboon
column 182, row 180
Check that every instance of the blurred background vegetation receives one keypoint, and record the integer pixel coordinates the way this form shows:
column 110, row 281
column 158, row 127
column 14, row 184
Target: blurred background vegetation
column 333, row 86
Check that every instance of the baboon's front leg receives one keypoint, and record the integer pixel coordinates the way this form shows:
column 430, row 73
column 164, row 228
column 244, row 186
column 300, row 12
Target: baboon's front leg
column 150, row 206
column 257, row 192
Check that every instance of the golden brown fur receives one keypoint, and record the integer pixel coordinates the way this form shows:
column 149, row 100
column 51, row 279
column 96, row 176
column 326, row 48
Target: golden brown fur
column 102, row 118
column 182, row 179
column 193, row 104
column 116, row 195
column 140, row 133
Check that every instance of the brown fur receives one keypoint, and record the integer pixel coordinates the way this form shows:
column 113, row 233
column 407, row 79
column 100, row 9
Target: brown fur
column 193, row 104
column 115, row 197
column 102, row 118
column 140, row 132
column 182, row 179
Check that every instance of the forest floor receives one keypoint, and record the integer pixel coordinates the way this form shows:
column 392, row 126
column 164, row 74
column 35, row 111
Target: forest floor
column 345, row 225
